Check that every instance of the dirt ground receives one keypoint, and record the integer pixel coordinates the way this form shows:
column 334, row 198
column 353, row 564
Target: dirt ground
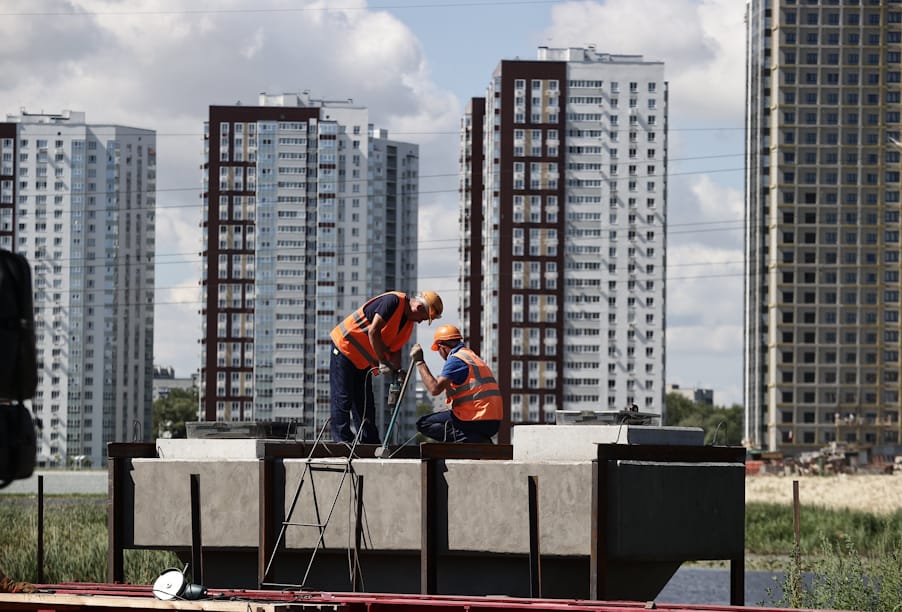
column 881, row 494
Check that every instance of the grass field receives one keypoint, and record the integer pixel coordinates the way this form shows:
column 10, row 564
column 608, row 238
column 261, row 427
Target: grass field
column 864, row 512
column 75, row 542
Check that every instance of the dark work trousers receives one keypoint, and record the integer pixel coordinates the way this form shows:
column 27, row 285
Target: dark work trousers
column 443, row 426
column 352, row 399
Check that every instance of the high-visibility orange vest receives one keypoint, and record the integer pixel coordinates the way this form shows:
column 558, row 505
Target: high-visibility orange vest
column 352, row 339
column 478, row 398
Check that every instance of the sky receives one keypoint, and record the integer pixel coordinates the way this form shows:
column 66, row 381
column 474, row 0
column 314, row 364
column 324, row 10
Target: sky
column 160, row 64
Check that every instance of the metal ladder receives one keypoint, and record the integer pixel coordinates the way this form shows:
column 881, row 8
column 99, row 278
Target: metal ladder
column 311, row 463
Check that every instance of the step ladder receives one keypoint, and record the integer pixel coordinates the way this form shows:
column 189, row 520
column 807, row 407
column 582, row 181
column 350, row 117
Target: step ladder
column 311, row 465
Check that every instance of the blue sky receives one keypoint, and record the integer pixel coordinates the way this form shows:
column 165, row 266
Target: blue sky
column 159, row 64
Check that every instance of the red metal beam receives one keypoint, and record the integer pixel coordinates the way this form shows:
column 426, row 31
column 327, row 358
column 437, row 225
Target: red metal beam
column 67, row 597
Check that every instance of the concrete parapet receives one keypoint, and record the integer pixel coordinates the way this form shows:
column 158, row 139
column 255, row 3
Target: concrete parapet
column 580, row 442
column 615, row 524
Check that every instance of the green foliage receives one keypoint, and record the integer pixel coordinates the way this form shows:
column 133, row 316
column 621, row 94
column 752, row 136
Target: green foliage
column 75, row 543
column 769, row 530
column 841, row 579
column 723, row 425
column 424, row 408
column 845, row 560
column 170, row 413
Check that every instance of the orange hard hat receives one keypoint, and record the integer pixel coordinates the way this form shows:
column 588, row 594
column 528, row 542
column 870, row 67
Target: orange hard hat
column 433, row 303
column 445, row 332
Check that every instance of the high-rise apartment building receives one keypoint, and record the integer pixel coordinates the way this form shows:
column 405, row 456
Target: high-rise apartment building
column 308, row 212
column 563, row 213
column 78, row 201
column 824, row 83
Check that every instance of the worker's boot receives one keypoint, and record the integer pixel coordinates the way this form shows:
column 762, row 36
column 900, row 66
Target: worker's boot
column 7, row 585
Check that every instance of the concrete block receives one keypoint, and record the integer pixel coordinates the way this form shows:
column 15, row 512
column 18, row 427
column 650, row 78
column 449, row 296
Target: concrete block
column 391, row 503
column 488, row 506
column 210, row 448
column 578, row 442
column 229, row 497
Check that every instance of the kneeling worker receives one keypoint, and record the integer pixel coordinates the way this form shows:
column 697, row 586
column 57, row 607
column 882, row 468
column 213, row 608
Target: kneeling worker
column 469, row 386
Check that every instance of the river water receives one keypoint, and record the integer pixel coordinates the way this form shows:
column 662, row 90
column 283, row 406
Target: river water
column 702, row 585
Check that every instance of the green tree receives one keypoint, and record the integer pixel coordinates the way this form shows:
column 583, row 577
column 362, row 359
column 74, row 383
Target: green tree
column 721, row 425
column 424, row 408
column 170, row 413
column 678, row 408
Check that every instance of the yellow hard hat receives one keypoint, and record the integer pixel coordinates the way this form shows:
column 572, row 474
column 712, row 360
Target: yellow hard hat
column 445, row 332
column 434, row 302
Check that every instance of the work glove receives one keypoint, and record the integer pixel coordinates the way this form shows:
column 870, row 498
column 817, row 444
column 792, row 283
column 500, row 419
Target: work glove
column 385, row 369
column 416, row 353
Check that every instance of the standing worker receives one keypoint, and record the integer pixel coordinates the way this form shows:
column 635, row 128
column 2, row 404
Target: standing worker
column 469, row 386
column 369, row 342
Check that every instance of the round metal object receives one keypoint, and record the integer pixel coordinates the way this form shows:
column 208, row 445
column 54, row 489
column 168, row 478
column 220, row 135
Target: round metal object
column 169, row 585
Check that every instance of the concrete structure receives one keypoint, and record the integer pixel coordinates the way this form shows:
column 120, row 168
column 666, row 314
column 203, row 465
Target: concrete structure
column 563, row 231
column 78, row 201
column 608, row 520
column 822, row 299
column 308, row 212
column 164, row 380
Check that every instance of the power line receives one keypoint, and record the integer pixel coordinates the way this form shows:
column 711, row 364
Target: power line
column 125, row 130
column 275, row 283
column 101, row 206
column 306, row 9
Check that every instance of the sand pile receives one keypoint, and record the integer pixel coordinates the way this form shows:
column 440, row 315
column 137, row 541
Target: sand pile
column 881, row 494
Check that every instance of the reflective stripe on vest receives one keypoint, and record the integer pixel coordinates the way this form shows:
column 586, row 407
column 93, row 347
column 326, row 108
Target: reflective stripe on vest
column 478, row 398
column 351, row 336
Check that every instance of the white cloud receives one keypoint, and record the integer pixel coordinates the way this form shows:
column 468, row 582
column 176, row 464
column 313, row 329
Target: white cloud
column 176, row 326
column 701, row 43
column 158, row 64
column 718, row 202
column 697, row 40
column 704, row 318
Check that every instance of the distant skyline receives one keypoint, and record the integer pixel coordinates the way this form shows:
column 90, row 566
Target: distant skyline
column 159, row 66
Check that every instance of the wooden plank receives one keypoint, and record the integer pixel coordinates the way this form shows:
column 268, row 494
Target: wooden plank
column 115, row 557
column 266, row 538
column 428, row 527
column 197, row 548
column 45, row 601
column 667, row 453
column 131, row 450
column 535, row 550
column 598, row 554
column 450, row 450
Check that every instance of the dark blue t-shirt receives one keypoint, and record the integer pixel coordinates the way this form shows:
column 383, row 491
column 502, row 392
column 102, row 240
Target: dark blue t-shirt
column 455, row 369
column 385, row 306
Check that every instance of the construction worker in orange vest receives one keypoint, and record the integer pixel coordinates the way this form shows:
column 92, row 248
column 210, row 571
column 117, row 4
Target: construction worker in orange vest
column 368, row 343
column 470, row 388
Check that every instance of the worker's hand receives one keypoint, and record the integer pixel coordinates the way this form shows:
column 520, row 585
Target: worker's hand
column 385, row 369
column 416, row 353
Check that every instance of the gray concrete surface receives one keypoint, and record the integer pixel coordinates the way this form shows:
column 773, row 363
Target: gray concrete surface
column 579, row 442
column 162, row 502
column 207, row 448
